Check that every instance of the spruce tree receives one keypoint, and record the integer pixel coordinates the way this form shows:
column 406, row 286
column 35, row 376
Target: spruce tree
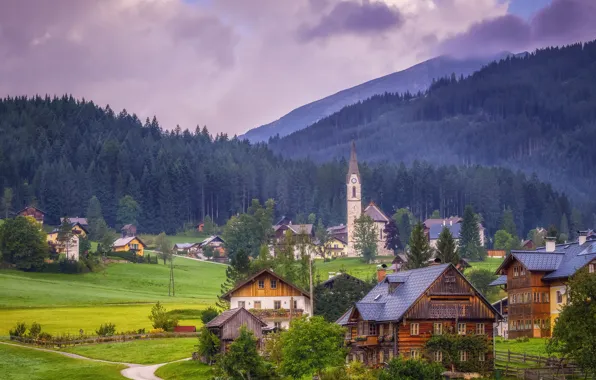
column 469, row 239
column 447, row 247
column 508, row 223
column 420, row 250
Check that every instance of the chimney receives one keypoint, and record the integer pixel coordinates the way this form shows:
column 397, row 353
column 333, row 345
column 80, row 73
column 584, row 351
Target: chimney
column 381, row 272
column 550, row 244
column 443, row 221
column 451, row 222
column 582, row 237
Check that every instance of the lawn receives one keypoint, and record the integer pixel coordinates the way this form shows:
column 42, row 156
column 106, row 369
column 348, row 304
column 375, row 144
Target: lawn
column 25, row 364
column 350, row 265
column 184, row 370
column 140, row 351
column 174, row 239
column 122, row 294
column 535, row 346
column 490, row 263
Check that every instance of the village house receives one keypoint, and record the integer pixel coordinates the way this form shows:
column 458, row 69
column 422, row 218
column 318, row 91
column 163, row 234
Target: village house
column 401, row 313
column 33, row 212
column 502, row 327
column 131, row 243
column 434, row 227
column 128, row 230
column 330, row 282
column 335, row 247
column 302, row 235
column 187, row 248
column 76, row 219
column 271, row 298
column 536, row 283
column 217, row 243
column 226, row 326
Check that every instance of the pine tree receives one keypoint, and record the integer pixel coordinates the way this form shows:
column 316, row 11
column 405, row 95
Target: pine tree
column 420, row 251
column 392, row 235
column 94, row 217
column 447, row 247
column 469, row 241
column 564, row 228
column 7, row 201
column 508, row 223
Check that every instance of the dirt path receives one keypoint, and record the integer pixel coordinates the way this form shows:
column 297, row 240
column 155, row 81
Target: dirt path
column 134, row 371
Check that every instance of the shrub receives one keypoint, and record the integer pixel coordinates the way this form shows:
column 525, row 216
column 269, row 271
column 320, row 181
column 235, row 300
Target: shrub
column 208, row 345
column 209, row 314
column 107, row 329
column 19, row 330
column 399, row 368
column 35, row 330
column 161, row 319
column 44, row 337
column 157, row 331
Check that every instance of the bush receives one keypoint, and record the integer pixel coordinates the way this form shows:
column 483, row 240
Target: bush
column 35, row 330
column 157, row 331
column 161, row 319
column 19, row 330
column 44, row 337
column 209, row 314
column 399, row 368
column 107, row 329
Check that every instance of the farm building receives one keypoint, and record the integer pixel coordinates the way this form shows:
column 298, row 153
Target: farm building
column 226, row 326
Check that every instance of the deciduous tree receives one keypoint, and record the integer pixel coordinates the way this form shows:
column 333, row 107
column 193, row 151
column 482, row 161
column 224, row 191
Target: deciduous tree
column 23, row 244
column 242, row 360
column 365, row 238
column 164, row 247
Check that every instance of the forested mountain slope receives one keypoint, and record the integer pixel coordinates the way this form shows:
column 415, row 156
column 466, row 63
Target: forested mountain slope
column 59, row 152
column 535, row 112
column 414, row 79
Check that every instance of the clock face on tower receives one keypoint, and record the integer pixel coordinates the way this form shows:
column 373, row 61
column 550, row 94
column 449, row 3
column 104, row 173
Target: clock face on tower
column 354, row 180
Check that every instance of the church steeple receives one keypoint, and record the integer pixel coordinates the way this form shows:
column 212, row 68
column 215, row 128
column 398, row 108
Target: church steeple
column 353, row 167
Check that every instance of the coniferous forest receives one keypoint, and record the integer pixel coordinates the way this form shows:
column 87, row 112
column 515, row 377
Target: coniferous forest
column 533, row 112
column 59, row 152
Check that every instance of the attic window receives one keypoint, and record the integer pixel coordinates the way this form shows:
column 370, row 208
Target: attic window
column 449, row 279
column 377, row 297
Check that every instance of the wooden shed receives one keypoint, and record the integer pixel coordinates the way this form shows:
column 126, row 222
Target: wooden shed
column 226, row 326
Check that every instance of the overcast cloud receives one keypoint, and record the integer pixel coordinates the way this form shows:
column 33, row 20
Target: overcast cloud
column 234, row 65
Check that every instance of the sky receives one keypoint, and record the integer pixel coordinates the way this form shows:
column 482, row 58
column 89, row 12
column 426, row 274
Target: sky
column 233, row 65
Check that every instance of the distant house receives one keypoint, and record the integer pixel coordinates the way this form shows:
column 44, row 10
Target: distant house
column 131, row 243
column 496, row 253
column 69, row 248
column 81, row 221
column 502, row 326
column 433, row 227
column 226, row 326
column 33, row 212
column 129, row 230
column 283, row 220
column 340, row 232
column 528, row 244
column 436, row 229
column 336, row 247
column 76, row 229
column 187, row 247
column 217, row 243
column 271, row 298
column 200, row 227
column 329, row 283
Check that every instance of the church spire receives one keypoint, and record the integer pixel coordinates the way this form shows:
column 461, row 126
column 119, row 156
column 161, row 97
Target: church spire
column 353, row 167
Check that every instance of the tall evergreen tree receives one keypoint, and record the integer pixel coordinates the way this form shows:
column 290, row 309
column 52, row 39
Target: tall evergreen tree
column 7, row 201
column 469, row 240
column 128, row 211
column 564, row 228
column 94, row 218
column 420, row 251
column 391, row 233
column 508, row 222
column 447, row 247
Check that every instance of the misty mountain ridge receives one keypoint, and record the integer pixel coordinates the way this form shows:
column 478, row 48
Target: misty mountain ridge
column 414, row 79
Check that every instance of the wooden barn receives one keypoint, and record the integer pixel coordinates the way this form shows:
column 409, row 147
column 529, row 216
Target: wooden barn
column 34, row 212
column 226, row 326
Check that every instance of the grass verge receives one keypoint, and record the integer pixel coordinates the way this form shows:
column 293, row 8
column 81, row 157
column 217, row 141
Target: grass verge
column 184, row 370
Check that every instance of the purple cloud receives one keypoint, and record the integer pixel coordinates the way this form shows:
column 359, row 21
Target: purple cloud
column 349, row 17
column 561, row 22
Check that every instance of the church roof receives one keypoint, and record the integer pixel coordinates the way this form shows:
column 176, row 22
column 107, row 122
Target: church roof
column 353, row 166
column 375, row 213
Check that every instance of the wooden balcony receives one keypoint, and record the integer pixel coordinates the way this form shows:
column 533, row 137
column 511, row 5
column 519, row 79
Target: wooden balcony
column 364, row 340
column 270, row 314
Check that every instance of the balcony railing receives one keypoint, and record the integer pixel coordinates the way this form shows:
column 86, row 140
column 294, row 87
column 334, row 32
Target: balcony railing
column 276, row 313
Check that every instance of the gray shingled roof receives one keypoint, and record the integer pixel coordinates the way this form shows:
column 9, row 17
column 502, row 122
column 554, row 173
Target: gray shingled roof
column 435, row 230
column 537, row 261
column 375, row 213
column 227, row 315
column 501, row 280
column 379, row 305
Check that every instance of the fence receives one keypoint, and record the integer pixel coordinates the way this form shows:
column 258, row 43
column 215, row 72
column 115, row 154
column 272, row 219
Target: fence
column 56, row 342
column 536, row 367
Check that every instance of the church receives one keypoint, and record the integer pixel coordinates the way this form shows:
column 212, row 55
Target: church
column 354, row 210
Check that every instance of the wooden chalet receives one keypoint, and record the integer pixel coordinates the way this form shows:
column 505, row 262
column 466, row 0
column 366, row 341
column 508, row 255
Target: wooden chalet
column 330, row 282
column 226, row 326
column 536, row 283
column 33, row 212
column 405, row 309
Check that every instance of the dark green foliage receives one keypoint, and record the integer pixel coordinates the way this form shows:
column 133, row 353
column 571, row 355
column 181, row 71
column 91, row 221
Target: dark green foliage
column 247, row 232
column 242, row 360
column 128, row 211
column 392, row 233
column 403, row 369
column 574, row 334
column 420, row 251
column 34, row 330
column 480, row 278
column 208, row 346
column 161, row 319
column 451, row 345
column 23, row 244
column 508, row 223
column 469, row 241
column 19, row 330
column 84, row 246
column 504, row 240
column 365, row 238
column 208, row 314
column 107, row 329
column 94, row 218
column 331, row 303
column 447, row 247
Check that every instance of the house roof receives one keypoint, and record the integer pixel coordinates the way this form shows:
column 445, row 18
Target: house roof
column 225, row 316
column 211, row 239
column 57, row 229
column 380, row 305
column 184, row 245
column 304, row 229
column 375, row 213
column 125, row 240
column 435, row 230
column 345, row 275
column 227, row 295
column 81, row 221
column 335, row 237
column 25, row 208
column 353, row 165
column 127, row 227
column 337, row 229
column 433, row 221
column 501, row 280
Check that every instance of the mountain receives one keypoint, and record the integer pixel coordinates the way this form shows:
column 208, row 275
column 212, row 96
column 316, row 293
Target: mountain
column 535, row 113
column 414, row 79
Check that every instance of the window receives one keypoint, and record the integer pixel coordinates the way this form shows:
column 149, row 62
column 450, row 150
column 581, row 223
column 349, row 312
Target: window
column 536, row 297
column 257, row 304
column 591, row 268
column 528, row 324
column 381, row 329
column 437, row 328
column 295, row 304
column 277, row 305
column 559, row 297
column 482, row 357
column 261, row 284
column 546, row 297
column 461, row 328
column 277, row 325
column 273, row 284
column 134, row 246
column 353, row 191
column 372, row 329
column 438, row 356
column 536, row 323
column 414, row 353
column 414, row 329
column 380, row 234
column 522, row 271
column 241, row 303
column 515, row 271
column 513, row 298
column 480, row 328
column 463, row 356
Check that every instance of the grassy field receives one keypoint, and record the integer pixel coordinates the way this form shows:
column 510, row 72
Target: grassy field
column 184, row 370
column 140, row 351
column 174, row 239
column 25, row 364
column 535, row 346
column 122, row 294
column 491, row 264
